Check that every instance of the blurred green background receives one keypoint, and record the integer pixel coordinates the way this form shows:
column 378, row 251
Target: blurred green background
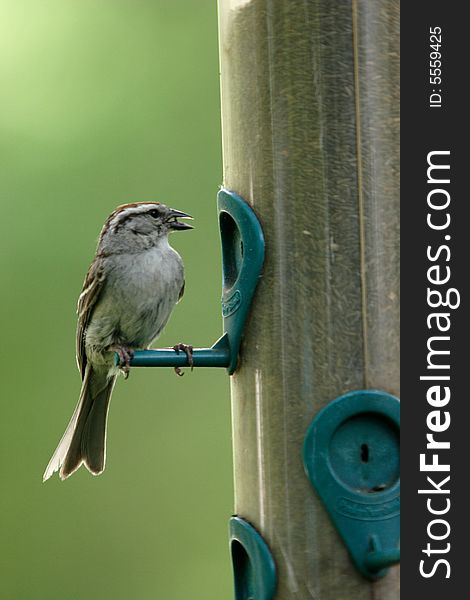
column 102, row 103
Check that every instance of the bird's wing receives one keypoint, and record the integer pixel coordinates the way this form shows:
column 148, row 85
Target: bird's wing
column 91, row 290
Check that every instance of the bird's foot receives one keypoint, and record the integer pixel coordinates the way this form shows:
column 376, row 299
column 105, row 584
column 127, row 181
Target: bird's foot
column 125, row 354
column 188, row 350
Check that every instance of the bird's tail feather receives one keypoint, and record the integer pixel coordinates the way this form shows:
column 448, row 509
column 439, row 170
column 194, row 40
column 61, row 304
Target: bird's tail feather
column 84, row 440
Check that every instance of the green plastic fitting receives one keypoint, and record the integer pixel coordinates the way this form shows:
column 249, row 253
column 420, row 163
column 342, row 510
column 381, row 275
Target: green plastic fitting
column 254, row 569
column 351, row 456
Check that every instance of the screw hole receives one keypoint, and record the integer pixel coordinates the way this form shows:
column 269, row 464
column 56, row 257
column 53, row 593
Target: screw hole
column 364, row 453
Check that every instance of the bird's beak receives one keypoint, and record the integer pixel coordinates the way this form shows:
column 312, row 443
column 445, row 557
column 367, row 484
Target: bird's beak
column 174, row 223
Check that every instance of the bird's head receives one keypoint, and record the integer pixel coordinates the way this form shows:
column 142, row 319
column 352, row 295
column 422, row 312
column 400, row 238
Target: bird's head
column 141, row 225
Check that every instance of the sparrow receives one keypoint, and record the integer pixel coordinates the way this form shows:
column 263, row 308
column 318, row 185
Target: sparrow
column 134, row 282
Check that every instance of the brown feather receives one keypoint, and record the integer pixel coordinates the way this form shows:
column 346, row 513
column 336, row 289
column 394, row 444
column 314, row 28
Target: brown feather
column 118, row 211
column 91, row 290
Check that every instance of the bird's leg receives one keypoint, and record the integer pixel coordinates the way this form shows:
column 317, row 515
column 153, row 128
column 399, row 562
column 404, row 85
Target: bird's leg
column 125, row 354
column 188, row 350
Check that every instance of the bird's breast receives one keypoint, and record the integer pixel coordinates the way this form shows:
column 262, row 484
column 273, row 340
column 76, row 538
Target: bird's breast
column 141, row 292
column 152, row 274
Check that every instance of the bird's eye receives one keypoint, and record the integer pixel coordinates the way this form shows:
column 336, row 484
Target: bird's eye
column 155, row 213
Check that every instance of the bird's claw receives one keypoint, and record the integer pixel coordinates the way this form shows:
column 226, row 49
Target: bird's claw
column 125, row 356
column 188, row 350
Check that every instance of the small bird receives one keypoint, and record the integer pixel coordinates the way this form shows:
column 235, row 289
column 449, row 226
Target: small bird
column 130, row 290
